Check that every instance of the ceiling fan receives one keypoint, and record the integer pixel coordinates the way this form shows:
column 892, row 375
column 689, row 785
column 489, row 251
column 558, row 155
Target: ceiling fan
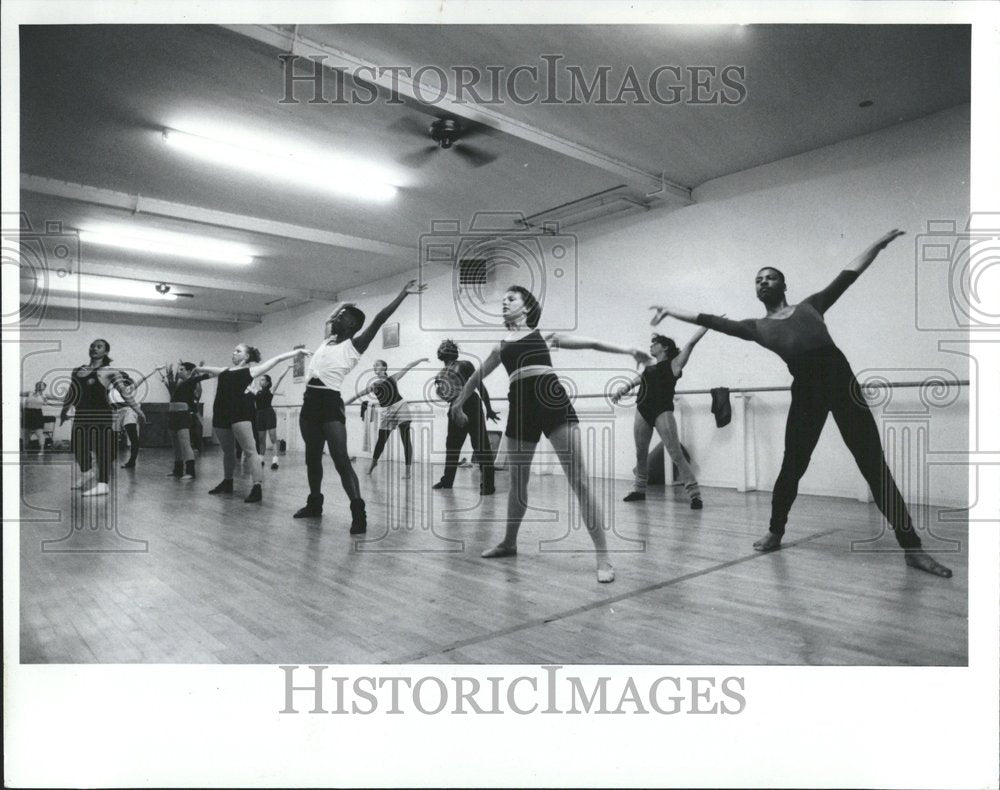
column 448, row 133
column 163, row 288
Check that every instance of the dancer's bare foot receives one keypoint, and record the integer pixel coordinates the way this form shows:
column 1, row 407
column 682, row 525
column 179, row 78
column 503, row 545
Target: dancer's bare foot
column 101, row 489
column 921, row 560
column 769, row 542
column 605, row 573
column 500, row 550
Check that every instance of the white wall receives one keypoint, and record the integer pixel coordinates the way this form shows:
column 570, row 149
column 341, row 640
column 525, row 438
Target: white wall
column 50, row 355
column 808, row 215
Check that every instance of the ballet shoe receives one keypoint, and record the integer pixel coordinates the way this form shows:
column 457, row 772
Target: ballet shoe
column 178, row 469
column 441, row 484
column 499, row 551
column 225, row 487
column 101, row 489
column 188, row 471
column 128, row 465
column 256, row 494
column 697, row 504
column 371, row 469
column 359, row 518
column 770, row 542
column 406, row 474
column 605, row 573
column 635, row 496
column 313, row 507
column 921, row 560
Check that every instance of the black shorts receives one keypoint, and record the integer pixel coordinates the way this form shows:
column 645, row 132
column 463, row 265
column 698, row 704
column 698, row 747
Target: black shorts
column 650, row 414
column 241, row 411
column 267, row 420
column 322, row 405
column 34, row 420
column 179, row 420
column 538, row 404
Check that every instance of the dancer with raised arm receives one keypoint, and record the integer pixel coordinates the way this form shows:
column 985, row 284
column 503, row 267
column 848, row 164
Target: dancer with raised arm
column 33, row 418
column 449, row 383
column 93, row 422
column 184, row 386
column 395, row 414
column 654, row 410
column 322, row 419
column 234, row 411
column 822, row 382
column 267, row 419
column 538, row 405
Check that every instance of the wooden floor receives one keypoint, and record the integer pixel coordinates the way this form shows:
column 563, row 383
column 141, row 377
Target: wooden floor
column 184, row 577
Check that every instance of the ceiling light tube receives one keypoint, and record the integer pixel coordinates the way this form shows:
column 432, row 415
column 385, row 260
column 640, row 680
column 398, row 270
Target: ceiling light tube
column 171, row 244
column 339, row 176
column 98, row 286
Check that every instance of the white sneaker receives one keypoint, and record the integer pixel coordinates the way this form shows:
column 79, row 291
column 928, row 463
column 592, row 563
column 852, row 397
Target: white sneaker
column 101, row 489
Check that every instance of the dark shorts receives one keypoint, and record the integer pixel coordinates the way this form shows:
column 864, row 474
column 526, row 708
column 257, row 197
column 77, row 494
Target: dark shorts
column 267, row 420
column 179, row 420
column 650, row 414
column 242, row 411
column 322, row 405
column 538, row 405
column 34, row 420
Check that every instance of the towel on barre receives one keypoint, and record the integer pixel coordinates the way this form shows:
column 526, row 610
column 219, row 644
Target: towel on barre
column 721, row 408
column 364, row 408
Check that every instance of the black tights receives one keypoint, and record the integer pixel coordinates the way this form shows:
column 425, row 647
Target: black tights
column 97, row 437
column 331, row 434
column 823, row 385
column 132, row 430
column 404, row 437
column 475, row 429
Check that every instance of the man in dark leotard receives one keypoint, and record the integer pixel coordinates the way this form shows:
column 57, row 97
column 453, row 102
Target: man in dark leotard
column 449, row 383
column 822, row 382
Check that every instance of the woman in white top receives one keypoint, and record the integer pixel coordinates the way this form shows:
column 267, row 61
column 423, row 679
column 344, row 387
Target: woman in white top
column 322, row 420
column 125, row 418
column 33, row 418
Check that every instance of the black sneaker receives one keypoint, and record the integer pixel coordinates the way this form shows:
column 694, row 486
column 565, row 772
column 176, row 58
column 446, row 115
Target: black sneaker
column 225, row 487
column 440, row 484
column 697, row 504
column 274, row 465
column 313, row 507
column 635, row 496
column 359, row 518
column 255, row 495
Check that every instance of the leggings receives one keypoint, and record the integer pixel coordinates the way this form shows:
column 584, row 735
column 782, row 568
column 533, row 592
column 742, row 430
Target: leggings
column 132, row 431
column 332, row 434
column 666, row 427
column 475, row 429
column 404, row 437
column 95, row 437
column 824, row 383
column 241, row 432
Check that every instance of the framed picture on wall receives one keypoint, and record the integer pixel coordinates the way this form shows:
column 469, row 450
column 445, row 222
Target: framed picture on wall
column 299, row 366
column 390, row 336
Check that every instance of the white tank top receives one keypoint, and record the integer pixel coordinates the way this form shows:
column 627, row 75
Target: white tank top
column 331, row 362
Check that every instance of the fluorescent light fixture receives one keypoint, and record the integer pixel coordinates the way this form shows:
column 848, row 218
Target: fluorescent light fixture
column 102, row 286
column 165, row 243
column 339, row 175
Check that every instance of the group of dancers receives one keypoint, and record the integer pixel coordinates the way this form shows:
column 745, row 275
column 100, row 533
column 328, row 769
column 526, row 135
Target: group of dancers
column 537, row 405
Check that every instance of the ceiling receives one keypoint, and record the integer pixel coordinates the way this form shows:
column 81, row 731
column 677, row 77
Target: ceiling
column 95, row 100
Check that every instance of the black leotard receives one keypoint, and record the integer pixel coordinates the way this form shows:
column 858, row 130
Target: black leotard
column 528, row 350
column 184, row 391
column 656, row 391
column 232, row 401
column 386, row 391
column 263, row 399
column 90, row 394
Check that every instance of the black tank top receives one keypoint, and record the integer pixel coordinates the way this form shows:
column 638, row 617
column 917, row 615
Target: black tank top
column 528, row 350
column 90, row 394
column 231, row 387
column 183, row 391
column 386, row 391
column 656, row 390
column 263, row 399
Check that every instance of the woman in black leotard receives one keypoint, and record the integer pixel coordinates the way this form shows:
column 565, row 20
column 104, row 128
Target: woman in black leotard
column 395, row 414
column 183, row 384
column 93, row 421
column 234, row 412
column 822, row 382
column 538, row 404
column 267, row 419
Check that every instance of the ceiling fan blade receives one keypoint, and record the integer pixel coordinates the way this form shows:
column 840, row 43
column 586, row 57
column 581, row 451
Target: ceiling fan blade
column 473, row 129
column 418, row 158
column 476, row 157
column 189, row 296
column 410, row 125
